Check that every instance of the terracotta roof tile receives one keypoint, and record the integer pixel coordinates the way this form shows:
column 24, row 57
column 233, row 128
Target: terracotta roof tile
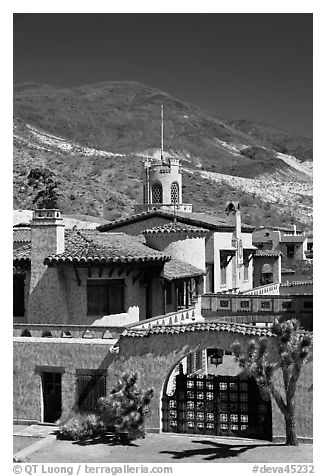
column 175, row 228
column 293, row 238
column 209, row 222
column 22, row 235
column 23, row 253
column 272, row 253
column 176, row 269
column 296, row 283
column 244, row 329
column 89, row 246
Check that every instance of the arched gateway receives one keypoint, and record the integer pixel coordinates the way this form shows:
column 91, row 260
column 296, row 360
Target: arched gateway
column 220, row 405
column 229, row 404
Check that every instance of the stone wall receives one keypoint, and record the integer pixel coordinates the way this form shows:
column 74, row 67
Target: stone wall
column 152, row 357
column 59, row 299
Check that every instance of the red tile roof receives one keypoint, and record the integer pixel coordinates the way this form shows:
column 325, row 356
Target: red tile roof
column 272, row 253
column 293, row 238
column 176, row 269
column 175, row 228
column 296, row 283
column 22, row 254
column 22, row 235
column 90, row 246
column 244, row 329
column 208, row 222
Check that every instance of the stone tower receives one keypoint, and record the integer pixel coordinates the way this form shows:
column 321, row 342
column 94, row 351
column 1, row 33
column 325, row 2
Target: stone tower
column 162, row 186
column 162, row 183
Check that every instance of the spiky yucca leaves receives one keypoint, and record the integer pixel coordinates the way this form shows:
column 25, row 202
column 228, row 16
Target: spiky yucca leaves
column 125, row 409
column 293, row 347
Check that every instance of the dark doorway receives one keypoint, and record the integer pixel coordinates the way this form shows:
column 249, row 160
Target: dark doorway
column 91, row 385
column 18, row 295
column 148, row 289
column 51, row 383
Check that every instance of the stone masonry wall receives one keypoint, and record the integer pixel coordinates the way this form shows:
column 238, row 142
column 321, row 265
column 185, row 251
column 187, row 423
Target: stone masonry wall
column 152, row 357
column 58, row 299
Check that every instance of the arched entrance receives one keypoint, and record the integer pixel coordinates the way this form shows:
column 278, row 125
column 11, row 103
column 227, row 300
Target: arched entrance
column 221, row 403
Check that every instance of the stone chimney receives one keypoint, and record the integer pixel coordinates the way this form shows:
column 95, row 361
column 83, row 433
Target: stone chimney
column 47, row 238
column 233, row 214
column 276, row 237
column 294, row 228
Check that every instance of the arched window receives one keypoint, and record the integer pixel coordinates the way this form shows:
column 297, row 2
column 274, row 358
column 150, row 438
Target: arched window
column 175, row 192
column 157, row 193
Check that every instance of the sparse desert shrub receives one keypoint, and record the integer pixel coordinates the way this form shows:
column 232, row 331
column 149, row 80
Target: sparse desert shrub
column 80, row 426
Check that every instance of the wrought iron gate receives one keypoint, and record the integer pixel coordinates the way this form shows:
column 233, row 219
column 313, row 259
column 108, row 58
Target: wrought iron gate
column 217, row 405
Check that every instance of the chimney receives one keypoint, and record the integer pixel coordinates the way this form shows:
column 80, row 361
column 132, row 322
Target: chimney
column 294, row 228
column 276, row 239
column 233, row 214
column 47, row 238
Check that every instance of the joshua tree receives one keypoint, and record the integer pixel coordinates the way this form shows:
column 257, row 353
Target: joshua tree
column 125, row 409
column 260, row 362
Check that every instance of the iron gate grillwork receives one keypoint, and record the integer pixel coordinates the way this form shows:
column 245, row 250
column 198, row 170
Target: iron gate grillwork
column 217, row 405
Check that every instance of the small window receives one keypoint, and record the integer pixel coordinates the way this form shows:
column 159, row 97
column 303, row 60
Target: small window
column 244, row 304
column 168, row 293
column 105, row 296
column 286, row 305
column 209, row 277
column 175, row 192
column 266, row 304
column 190, row 364
column 224, row 303
column 157, row 193
column 199, row 360
column 290, row 251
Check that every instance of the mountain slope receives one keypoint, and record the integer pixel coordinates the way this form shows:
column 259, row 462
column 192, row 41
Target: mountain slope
column 89, row 143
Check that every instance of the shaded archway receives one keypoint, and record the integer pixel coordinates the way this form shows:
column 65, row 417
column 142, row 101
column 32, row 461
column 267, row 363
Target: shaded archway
column 197, row 399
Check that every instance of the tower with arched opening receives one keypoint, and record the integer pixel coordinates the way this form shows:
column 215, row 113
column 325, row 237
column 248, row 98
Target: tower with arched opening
column 162, row 186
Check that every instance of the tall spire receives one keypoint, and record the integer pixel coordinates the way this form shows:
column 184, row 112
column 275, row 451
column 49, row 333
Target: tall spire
column 162, row 132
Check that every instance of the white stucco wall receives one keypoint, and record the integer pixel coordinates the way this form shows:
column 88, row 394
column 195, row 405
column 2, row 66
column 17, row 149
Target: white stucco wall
column 222, row 240
column 179, row 246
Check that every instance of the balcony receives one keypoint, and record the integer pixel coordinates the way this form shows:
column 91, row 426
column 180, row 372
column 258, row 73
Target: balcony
column 244, row 308
column 272, row 288
column 169, row 207
column 182, row 316
column 108, row 333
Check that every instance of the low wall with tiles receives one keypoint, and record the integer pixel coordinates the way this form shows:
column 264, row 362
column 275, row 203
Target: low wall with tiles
column 153, row 357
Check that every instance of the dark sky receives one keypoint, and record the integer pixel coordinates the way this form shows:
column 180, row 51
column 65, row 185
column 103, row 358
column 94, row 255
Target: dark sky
column 253, row 66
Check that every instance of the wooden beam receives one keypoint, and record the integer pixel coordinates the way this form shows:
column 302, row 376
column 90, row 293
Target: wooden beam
column 121, row 270
column 77, row 275
column 89, row 271
column 100, row 271
column 111, row 271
